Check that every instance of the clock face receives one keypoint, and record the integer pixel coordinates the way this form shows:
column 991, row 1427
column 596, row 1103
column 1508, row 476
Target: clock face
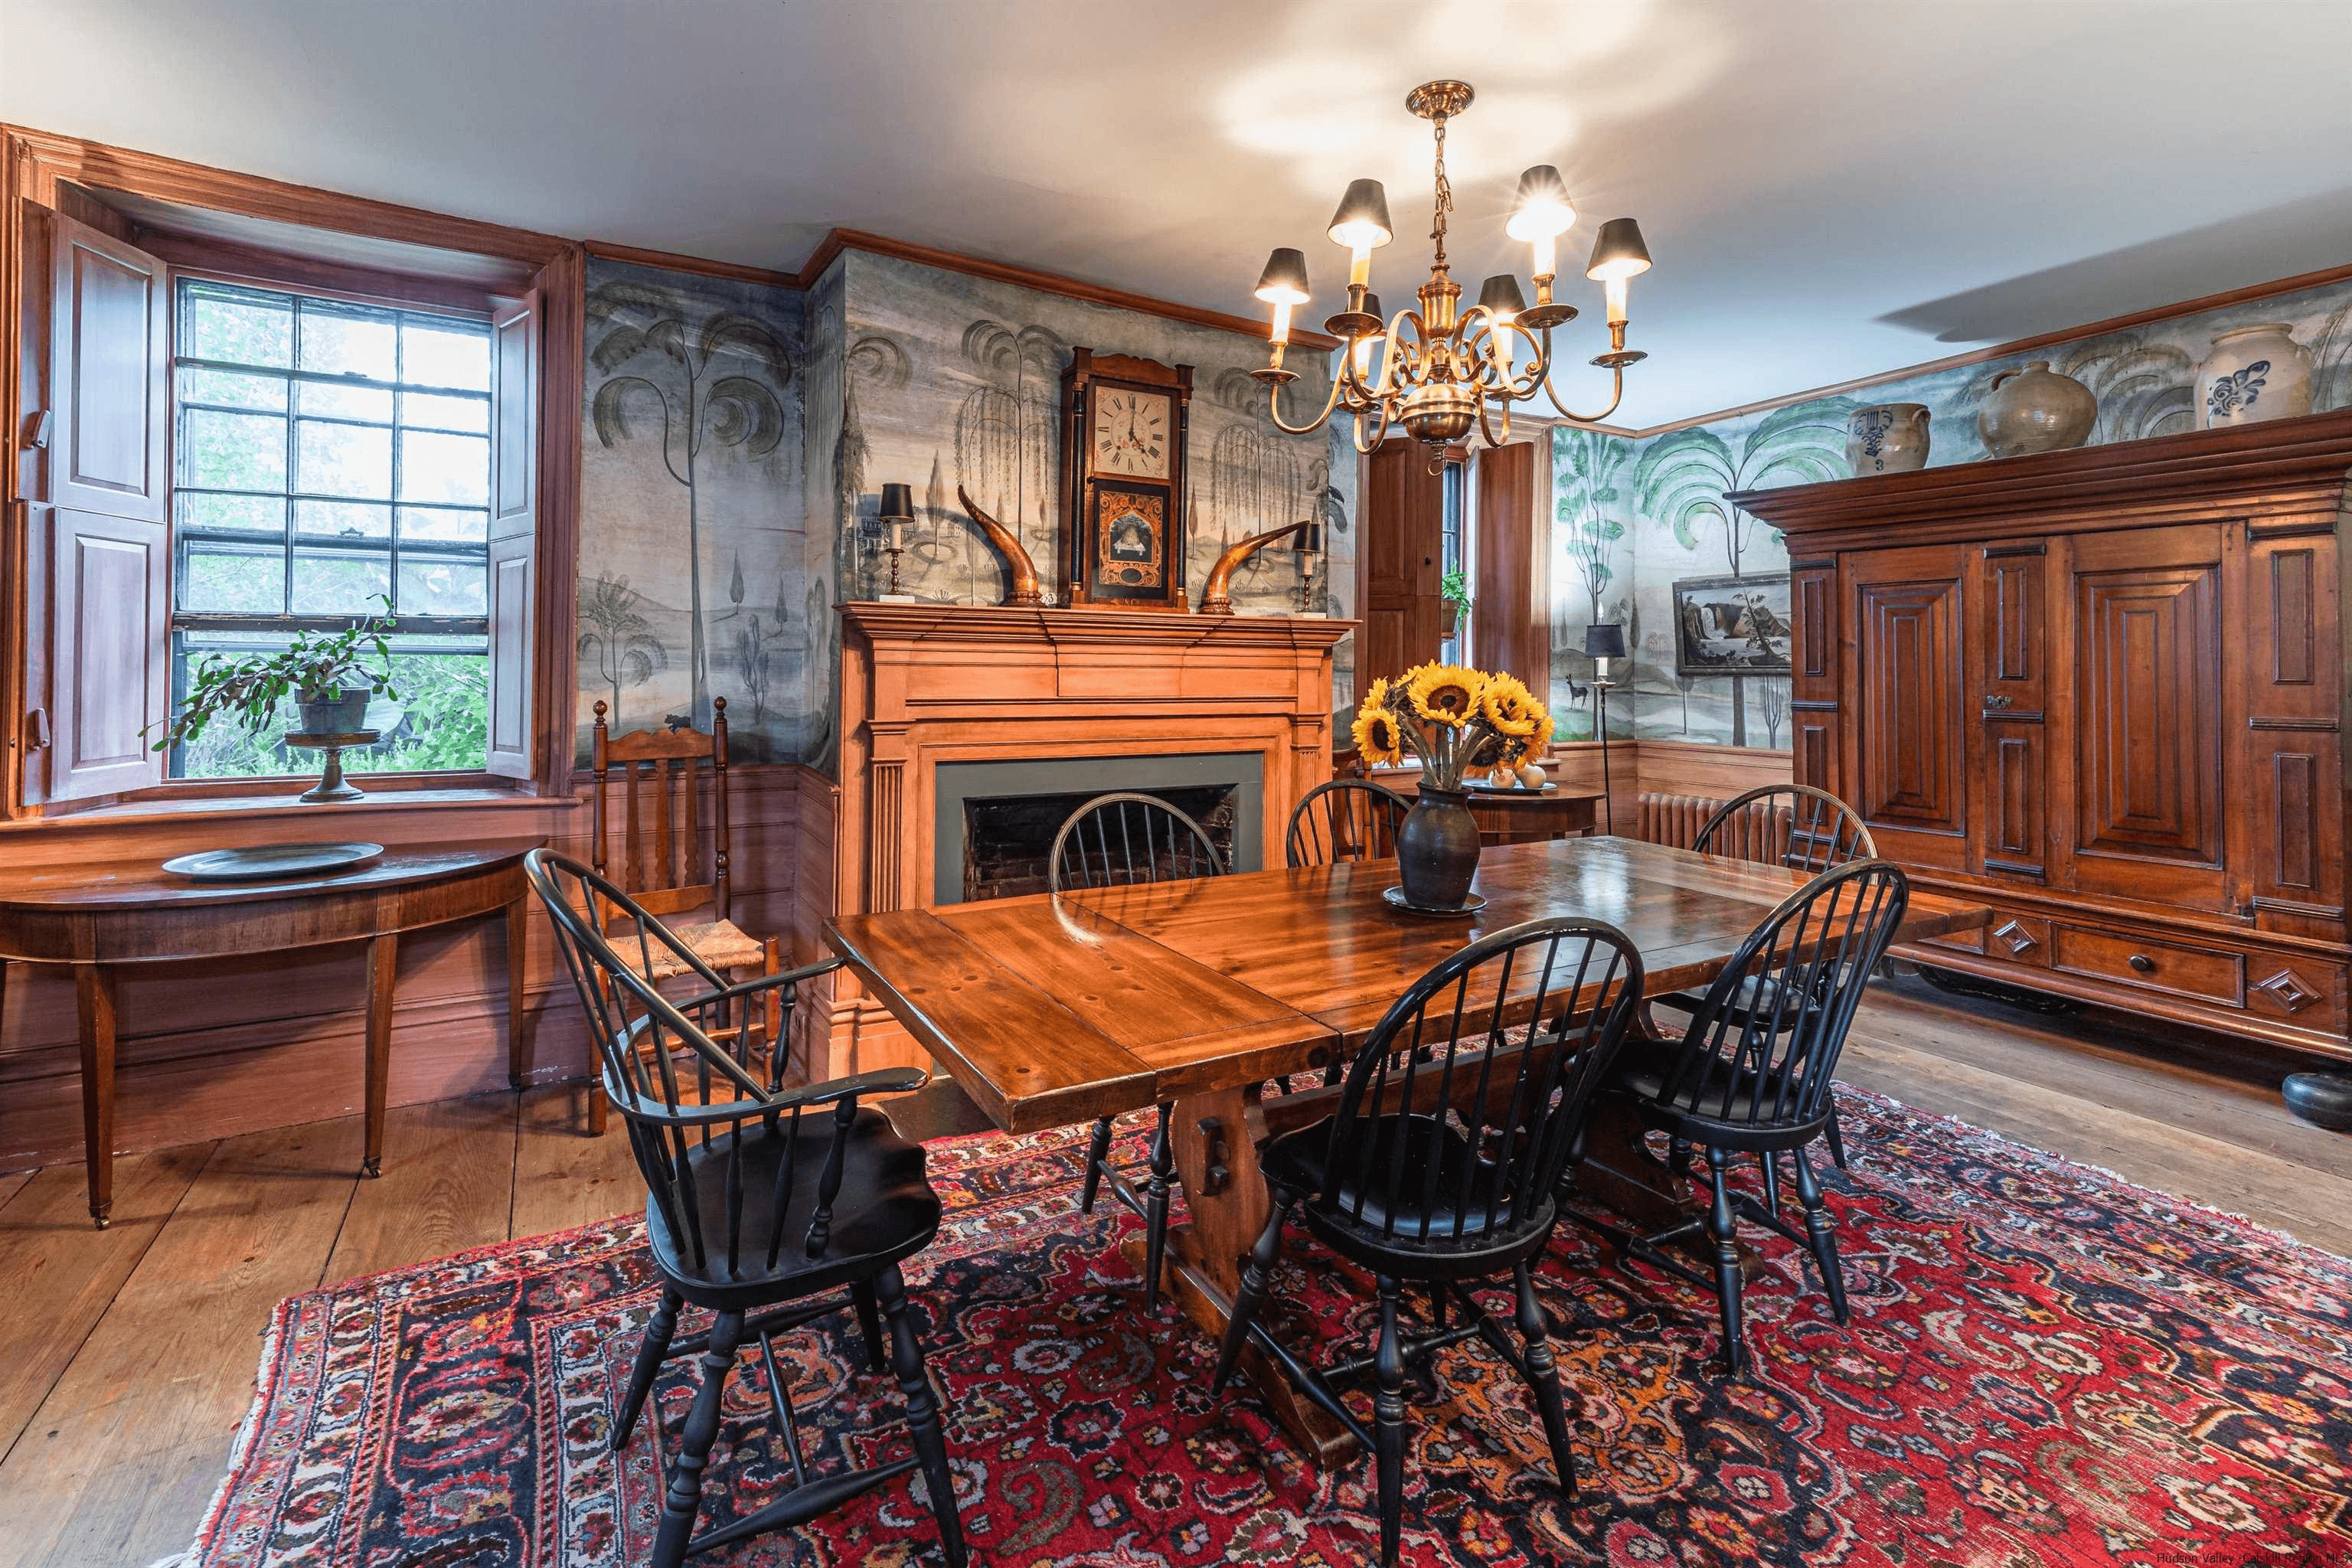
column 1132, row 433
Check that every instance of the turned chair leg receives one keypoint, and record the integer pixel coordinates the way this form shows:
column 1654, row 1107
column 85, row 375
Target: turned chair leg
column 684, row 1500
column 1098, row 1150
column 651, row 1352
column 1543, row 1374
column 1388, row 1418
column 922, row 1411
column 1820, row 1228
column 1155, row 1209
column 1836, row 1137
column 869, row 1322
column 1771, row 1162
column 1257, row 1278
column 1722, row 1227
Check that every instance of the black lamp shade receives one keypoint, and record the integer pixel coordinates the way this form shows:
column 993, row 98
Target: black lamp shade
column 897, row 503
column 1542, row 205
column 1362, row 218
column 1284, row 281
column 1373, row 308
column 1618, row 251
column 1310, row 536
column 1500, row 294
column 1606, row 641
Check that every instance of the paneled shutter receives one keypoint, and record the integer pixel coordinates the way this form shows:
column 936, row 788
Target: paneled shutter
column 515, row 355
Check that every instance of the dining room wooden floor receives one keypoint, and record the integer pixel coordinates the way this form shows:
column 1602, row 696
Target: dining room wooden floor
column 131, row 1352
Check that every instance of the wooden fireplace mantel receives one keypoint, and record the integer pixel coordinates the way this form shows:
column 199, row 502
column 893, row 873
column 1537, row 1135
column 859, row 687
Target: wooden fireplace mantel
column 927, row 684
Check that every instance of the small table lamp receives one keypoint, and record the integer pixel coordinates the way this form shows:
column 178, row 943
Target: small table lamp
column 1310, row 545
column 1602, row 644
column 898, row 510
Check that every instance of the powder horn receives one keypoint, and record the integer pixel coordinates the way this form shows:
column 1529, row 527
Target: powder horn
column 1021, row 587
column 1217, row 595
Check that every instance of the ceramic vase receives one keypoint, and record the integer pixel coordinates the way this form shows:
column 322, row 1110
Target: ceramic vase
column 1437, row 849
column 2253, row 373
column 1887, row 439
column 2036, row 410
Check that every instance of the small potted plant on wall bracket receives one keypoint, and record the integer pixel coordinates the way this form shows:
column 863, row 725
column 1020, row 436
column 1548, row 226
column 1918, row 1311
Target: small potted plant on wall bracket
column 331, row 677
column 1455, row 589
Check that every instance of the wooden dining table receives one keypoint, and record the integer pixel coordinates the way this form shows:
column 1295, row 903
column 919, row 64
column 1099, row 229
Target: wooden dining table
column 1054, row 1009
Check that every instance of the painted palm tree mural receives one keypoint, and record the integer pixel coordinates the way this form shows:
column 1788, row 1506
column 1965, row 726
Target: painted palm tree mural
column 1589, row 467
column 618, row 643
column 1683, row 478
column 1004, row 439
column 716, row 381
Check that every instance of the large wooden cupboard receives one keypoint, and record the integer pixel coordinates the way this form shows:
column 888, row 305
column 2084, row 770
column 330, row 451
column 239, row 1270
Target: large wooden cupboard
column 2102, row 690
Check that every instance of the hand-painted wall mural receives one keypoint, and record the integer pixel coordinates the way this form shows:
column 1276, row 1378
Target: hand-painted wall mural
column 1633, row 518
column 691, row 551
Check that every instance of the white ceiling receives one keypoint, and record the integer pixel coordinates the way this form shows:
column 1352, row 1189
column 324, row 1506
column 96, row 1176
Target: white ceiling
column 1831, row 188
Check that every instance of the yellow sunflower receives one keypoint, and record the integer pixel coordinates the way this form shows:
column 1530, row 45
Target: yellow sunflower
column 1445, row 693
column 1510, row 706
column 1377, row 740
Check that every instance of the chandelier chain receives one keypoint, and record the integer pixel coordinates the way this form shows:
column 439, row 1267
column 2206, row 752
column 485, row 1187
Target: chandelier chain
column 1444, row 203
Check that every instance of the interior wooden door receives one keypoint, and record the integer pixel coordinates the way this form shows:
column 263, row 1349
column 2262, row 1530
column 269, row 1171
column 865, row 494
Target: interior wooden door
column 1906, row 762
column 2143, row 699
column 1512, row 628
column 2008, row 685
column 1405, row 621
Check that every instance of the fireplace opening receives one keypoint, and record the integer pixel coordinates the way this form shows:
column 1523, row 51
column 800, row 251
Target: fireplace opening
column 1007, row 839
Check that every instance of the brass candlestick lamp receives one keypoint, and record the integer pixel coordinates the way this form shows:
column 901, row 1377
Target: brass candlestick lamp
column 1436, row 370
column 898, row 510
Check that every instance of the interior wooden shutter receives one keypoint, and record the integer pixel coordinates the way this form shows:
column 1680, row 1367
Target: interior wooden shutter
column 515, row 353
column 1510, row 620
column 101, row 537
column 1405, row 607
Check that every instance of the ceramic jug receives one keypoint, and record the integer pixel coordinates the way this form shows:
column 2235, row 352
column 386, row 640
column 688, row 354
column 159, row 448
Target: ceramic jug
column 1887, row 439
column 2256, row 372
column 2036, row 409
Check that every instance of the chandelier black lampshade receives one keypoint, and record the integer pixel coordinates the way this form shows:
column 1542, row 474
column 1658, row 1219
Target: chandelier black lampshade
column 1284, row 281
column 897, row 503
column 1618, row 250
column 1500, row 294
column 1362, row 219
column 1607, row 641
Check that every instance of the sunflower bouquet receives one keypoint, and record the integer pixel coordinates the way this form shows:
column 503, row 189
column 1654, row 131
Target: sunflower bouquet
column 1457, row 724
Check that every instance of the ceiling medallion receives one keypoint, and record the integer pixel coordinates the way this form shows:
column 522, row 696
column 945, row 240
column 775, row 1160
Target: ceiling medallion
column 1437, row 370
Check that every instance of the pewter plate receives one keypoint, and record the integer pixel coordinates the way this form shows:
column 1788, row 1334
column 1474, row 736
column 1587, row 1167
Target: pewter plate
column 1471, row 904
column 270, row 861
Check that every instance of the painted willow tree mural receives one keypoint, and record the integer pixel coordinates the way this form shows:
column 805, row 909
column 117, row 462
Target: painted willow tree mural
column 1588, row 466
column 1004, row 443
column 877, row 361
column 721, row 381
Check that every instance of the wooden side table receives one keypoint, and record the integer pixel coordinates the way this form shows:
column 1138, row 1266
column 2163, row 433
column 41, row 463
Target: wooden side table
column 97, row 917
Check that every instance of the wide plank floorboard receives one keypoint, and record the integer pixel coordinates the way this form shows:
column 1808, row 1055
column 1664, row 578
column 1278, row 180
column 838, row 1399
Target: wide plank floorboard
column 131, row 1420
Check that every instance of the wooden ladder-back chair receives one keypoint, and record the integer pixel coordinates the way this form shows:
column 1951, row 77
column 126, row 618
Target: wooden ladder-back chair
column 1793, row 824
column 771, row 1207
column 665, row 864
column 1441, row 1167
column 1345, row 819
column 1114, row 840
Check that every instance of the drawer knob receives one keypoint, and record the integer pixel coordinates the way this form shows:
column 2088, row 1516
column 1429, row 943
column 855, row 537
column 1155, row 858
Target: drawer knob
column 2142, row 962
column 1998, row 700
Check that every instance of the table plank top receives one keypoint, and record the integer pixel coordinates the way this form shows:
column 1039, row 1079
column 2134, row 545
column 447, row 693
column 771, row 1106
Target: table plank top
column 144, row 884
column 1054, row 1009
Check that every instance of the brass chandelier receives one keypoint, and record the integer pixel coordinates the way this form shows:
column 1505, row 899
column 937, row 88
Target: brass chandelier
column 1437, row 370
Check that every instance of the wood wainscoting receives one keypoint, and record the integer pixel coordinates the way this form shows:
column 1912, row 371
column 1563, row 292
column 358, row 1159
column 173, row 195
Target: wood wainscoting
column 924, row 684
column 219, row 1049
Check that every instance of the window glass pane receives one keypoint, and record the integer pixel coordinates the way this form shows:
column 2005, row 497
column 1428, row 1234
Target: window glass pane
column 232, row 451
column 431, row 587
column 435, row 522
column 235, row 388
column 439, row 353
column 340, row 583
column 349, row 339
column 433, row 466
column 343, row 518
column 445, row 413
column 242, row 326
column 345, row 400
column 440, row 718
column 227, row 580
column 240, row 514
column 343, row 459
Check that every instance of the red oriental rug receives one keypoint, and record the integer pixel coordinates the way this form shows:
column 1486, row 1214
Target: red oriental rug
column 2046, row 1366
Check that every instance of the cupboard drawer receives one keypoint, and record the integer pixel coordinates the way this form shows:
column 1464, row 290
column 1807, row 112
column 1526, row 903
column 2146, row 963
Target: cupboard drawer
column 2172, row 968
column 2011, row 938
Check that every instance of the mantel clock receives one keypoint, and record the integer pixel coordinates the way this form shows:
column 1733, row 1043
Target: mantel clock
column 1123, row 426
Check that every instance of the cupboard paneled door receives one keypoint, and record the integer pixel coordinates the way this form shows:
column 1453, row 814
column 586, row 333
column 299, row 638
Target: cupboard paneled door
column 2008, row 687
column 1908, row 757
column 2142, row 626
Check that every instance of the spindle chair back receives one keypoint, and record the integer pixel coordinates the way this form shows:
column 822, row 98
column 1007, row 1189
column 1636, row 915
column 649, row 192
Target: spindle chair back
column 1345, row 819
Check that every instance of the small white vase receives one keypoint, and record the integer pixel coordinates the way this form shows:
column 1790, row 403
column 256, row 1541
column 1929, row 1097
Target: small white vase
column 2253, row 373
column 1887, row 439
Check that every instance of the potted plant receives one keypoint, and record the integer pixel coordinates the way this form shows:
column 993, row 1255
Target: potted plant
column 331, row 676
column 1455, row 589
column 1457, row 722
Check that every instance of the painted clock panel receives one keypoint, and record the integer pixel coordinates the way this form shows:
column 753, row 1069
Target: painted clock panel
column 1133, row 432
column 1128, row 553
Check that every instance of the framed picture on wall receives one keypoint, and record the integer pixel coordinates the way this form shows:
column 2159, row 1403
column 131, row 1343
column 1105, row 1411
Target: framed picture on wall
column 1732, row 626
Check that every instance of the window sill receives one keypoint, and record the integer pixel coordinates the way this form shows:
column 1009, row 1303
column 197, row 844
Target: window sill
column 283, row 802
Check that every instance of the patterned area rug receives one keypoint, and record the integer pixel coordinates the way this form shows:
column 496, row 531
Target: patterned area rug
column 2046, row 1366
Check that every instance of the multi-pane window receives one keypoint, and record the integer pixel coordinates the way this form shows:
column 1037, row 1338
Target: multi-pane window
column 1452, row 557
column 329, row 457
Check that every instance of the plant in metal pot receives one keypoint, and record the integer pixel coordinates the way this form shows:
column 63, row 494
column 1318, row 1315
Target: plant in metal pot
column 1454, row 588
column 1458, row 724
column 331, row 677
